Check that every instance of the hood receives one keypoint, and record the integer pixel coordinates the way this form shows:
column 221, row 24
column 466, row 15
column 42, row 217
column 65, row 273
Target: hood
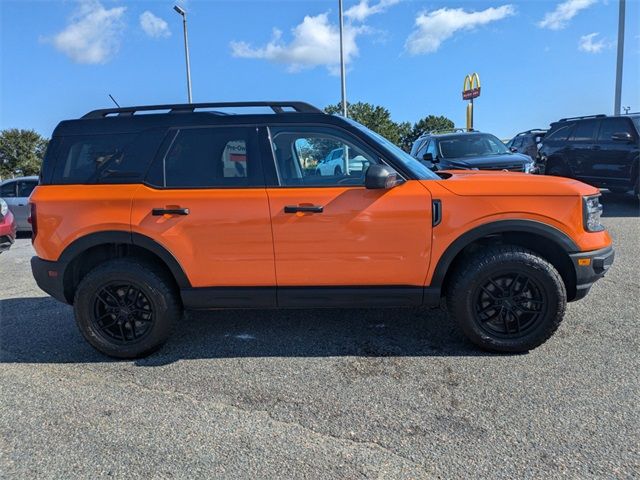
column 489, row 183
column 487, row 160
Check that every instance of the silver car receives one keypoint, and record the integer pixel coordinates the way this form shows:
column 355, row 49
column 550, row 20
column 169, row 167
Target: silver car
column 15, row 192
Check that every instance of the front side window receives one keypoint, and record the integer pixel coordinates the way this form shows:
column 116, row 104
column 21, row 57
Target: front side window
column 207, row 158
column 310, row 156
column 613, row 125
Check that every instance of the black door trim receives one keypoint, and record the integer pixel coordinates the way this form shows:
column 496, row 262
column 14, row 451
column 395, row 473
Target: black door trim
column 208, row 298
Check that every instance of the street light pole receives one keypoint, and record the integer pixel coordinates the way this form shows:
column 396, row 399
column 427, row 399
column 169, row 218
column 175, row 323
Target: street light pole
column 618, row 97
column 343, row 81
column 183, row 14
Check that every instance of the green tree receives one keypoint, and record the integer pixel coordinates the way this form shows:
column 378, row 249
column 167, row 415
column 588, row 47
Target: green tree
column 21, row 152
column 379, row 120
column 375, row 117
column 426, row 124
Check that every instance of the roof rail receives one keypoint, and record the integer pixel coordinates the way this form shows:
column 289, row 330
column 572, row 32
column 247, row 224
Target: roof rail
column 277, row 107
column 526, row 132
column 600, row 115
column 450, row 130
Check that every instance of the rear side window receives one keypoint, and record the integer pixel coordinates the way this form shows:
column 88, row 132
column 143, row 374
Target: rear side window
column 25, row 187
column 585, row 131
column 210, row 157
column 613, row 125
column 104, row 158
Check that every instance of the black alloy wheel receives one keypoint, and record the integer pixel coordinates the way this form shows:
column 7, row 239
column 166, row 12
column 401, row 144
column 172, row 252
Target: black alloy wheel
column 127, row 307
column 509, row 305
column 506, row 298
column 122, row 312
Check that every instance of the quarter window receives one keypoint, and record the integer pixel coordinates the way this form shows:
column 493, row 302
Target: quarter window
column 104, row 158
column 319, row 157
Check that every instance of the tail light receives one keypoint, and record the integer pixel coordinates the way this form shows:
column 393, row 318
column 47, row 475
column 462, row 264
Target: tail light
column 33, row 220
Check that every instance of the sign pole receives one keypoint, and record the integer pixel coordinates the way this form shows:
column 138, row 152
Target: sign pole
column 618, row 93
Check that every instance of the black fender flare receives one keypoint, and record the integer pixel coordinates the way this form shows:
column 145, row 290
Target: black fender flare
column 82, row 244
column 499, row 226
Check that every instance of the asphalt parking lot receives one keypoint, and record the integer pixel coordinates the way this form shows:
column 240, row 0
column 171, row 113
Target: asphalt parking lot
column 325, row 394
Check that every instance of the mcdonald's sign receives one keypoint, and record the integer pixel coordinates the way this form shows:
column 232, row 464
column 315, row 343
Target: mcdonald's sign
column 471, row 87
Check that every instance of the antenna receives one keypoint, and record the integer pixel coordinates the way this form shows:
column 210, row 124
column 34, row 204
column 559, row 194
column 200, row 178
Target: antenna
column 114, row 100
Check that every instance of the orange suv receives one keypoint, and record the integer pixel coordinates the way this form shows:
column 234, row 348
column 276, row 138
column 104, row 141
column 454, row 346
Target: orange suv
column 142, row 212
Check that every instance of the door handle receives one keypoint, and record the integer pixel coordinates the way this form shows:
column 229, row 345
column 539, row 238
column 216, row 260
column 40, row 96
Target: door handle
column 303, row 208
column 157, row 212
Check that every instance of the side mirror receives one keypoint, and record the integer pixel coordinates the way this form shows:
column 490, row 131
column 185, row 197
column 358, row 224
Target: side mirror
column 428, row 157
column 380, row 177
column 622, row 137
column 513, row 149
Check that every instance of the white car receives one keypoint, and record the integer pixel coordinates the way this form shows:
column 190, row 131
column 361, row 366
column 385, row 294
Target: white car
column 334, row 164
column 15, row 192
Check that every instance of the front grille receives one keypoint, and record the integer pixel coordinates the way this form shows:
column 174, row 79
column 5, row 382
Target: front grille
column 511, row 168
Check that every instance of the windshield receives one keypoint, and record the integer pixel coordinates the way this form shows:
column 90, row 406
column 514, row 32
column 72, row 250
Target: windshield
column 420, row 171
column 474, row 145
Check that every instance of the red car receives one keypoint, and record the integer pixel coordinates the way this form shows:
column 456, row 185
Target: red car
column 7, row 227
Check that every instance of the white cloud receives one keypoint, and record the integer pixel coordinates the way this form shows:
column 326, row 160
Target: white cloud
column 589, row 44
column 93, row 34
column 433, row 28
column 154, row 26
column 315, row 42
column 361, row 11
column 565, row 11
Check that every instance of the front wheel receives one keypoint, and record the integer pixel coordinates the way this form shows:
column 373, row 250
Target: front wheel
column 126, row 308
column 507, row 299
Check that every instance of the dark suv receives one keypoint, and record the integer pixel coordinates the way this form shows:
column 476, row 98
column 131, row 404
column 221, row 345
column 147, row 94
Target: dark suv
column 463, row 150
column 527, row 142
column 600, row 150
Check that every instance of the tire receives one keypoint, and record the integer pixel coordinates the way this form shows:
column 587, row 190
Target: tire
column 337, row 171
column 126, row 308
column 507, row 299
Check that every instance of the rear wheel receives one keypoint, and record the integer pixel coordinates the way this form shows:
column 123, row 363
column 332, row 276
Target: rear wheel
column 126, row 308
column 507, row 299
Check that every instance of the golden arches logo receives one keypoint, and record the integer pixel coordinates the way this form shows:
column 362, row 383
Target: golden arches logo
column 471, row 86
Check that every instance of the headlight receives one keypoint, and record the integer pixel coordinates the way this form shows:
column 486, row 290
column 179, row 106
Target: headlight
column 592, row 210
column 4, row 208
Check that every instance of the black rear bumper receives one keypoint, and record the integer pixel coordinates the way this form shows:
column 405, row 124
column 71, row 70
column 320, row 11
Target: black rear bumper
column 50, row 277
column 590, row 267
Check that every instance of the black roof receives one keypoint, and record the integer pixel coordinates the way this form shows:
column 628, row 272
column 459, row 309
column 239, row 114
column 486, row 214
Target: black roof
column 137, row 118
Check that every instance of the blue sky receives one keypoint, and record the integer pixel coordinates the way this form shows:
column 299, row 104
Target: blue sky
column 538, row 60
